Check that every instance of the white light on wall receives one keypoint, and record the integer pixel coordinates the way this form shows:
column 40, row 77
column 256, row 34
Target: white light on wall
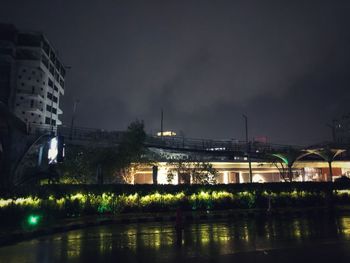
column 53, row 150
column 162, row 175
column 258, row 178
column 226, row 174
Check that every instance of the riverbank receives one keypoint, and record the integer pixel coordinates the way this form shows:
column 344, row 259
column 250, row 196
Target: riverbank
column 244, row 238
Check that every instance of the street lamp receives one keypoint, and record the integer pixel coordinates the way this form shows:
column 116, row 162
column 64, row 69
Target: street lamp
column 73, row 118
column 248, row 148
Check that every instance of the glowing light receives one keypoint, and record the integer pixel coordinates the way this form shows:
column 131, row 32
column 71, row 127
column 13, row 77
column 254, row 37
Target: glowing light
column 226, row 177
column 5, row 202
column 258, row 178
column 166, row 133
column 53, row 150
column 33, row 220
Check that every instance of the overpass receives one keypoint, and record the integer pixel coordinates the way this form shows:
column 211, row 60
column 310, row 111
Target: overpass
column 20, row 144
column 103, row 138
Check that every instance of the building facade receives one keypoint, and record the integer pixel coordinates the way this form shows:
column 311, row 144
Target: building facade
column 32, row 77
column 238, row 172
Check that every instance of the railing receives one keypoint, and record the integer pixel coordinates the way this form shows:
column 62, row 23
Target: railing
column 88, row 134
column 215, row 145
column 173, row 142
column 40, row 129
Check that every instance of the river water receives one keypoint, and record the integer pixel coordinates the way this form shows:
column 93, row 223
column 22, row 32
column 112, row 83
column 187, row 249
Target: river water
column 321, row 238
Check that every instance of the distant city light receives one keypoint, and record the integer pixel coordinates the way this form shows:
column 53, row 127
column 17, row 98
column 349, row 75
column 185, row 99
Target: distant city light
column 166, row 133
column 216, row 149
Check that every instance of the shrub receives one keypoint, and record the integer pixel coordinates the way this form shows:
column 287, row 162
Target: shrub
column 68, row 201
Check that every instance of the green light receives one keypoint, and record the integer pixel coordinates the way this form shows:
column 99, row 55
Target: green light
column 283, row 158
column 33, row 220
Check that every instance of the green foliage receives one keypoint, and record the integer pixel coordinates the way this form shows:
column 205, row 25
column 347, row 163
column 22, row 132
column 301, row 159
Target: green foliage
column 82, row 162
column 78, row 167
column 131, row 147
column 71, row 201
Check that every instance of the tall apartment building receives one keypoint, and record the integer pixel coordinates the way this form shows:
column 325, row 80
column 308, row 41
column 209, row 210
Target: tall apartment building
column 32, row 77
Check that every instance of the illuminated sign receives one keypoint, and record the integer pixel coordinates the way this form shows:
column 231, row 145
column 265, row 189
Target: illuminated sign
column 56, row 150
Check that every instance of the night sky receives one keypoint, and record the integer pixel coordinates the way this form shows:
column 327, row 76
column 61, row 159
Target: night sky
column 285, row 64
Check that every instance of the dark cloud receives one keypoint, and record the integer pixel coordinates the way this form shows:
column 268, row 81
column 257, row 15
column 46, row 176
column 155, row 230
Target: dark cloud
column 283, row 63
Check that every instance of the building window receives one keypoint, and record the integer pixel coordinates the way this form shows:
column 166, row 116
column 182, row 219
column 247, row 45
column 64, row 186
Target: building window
column 50, row 83
column 23, row 112
column 52, row 57
column 55, row 99
column 48, row 108
column 33, row 89
column 45, row 61
column 63, row 72
column 21, row 98
column 52, row 70
column 62, row 83
column 46, row 47
column 19, row 76
column 54, row 110
column 56, row 88
column 31, row 103
column 24, row 70
column 49, row 95
column 22, row 84
column 47, row 120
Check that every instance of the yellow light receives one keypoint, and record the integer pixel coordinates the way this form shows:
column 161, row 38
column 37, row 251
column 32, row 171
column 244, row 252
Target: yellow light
column 166, row 133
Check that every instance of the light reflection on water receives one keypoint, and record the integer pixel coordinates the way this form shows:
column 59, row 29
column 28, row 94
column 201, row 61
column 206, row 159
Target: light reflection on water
column 157, row 242
column 345, row 227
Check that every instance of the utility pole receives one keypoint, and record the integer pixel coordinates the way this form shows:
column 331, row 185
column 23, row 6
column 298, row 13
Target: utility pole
column 52, row 96
column 248, row 148
column 73, row 118
column 161, row 124
column 332, row 127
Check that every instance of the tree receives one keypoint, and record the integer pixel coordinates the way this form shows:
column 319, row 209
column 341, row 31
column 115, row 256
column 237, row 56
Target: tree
column 131, row 152
column 195, row 172
column 328, row 154
column 77, row 166
column 282, row 169
column 91, row 164
column 288, row 158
